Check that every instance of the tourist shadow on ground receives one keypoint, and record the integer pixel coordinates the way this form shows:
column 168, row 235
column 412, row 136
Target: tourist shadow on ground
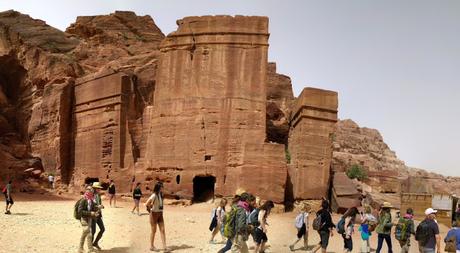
column 21, row 214
column 183, row 246
column 116, row 250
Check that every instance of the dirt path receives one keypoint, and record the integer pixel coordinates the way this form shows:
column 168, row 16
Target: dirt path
column 48, row 226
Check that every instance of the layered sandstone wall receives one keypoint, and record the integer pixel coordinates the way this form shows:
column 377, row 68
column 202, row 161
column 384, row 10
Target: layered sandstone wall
column 310, row 143
column 209, row 108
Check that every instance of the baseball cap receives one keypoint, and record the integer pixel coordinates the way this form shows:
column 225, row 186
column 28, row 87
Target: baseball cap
column 430, row 211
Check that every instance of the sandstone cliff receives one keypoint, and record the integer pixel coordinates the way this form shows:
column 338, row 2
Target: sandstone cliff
column 387, row 173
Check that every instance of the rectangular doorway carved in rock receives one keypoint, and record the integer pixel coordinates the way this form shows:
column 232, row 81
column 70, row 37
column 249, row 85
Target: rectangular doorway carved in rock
column 203, row 188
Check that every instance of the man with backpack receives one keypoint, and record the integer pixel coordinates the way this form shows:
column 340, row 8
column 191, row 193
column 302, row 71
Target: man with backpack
column 427, row 233
column 238, row 219
column 98, row 221
column 404, row 229
column 86, row 211
column 9, row 200
column 323, row 224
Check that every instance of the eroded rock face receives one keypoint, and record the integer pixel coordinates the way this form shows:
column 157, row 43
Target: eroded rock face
column 208, row 119
column 387, row 173
column 279, row 102
column 34, row 63
column 121, row 38
column 365, row 147
column 310, row 143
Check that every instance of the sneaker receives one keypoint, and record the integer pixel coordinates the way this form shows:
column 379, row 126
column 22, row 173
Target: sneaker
column 212, row 242
column 95, row 245
column 291, row 247
column 153, row 249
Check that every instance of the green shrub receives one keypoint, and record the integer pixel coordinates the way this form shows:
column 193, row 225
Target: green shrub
column 358, row 172
column 288, row 156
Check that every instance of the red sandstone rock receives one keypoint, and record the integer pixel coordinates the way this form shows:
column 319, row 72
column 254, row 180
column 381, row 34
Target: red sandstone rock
column 209, row 108
column 310, row 142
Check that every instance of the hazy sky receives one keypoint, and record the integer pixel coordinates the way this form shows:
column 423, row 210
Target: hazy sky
column 395, row 64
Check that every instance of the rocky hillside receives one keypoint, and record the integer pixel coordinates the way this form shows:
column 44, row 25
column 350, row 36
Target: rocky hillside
column 38, row 67
column 354, row 145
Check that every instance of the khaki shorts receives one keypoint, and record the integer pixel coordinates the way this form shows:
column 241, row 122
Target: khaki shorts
column 156, row 218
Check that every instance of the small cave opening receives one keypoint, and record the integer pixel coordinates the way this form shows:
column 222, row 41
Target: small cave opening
column 178, row 179
column 203, row 188
column 91, row 180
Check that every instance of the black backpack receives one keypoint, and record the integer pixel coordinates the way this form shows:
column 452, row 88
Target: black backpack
column 423, row 233
column 76, row 213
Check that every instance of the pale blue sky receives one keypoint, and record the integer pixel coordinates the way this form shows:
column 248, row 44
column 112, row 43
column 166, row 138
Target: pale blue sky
column 395, row 63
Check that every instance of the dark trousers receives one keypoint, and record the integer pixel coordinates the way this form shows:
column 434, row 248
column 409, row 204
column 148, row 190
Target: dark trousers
column 347, row 243
column 100, row 224
column 387, row 238
column 228, row 246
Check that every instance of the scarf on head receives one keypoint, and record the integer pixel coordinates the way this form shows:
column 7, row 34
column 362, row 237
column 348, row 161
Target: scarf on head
column 408, row 216
column 244, row 205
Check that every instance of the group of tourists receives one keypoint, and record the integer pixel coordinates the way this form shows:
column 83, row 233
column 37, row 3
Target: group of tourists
column 88, row 210
column 239, row 224
column 247, row 218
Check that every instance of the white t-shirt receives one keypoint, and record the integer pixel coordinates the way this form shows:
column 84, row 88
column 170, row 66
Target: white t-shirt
column 305, row 220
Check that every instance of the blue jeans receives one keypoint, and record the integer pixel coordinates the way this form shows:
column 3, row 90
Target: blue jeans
column 387, row 239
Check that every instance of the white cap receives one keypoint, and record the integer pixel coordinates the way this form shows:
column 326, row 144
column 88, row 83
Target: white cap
column 430, row 211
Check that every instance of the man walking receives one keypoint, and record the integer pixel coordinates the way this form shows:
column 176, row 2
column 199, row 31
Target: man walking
column 100, row 223
column 9, row 200
column 87, row 210
column 241, row 225
column 427, row 233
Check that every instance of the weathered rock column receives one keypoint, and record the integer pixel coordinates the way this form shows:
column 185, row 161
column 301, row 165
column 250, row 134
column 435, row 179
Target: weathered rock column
column 102, row 144
column 310, row 142
column 209, row 103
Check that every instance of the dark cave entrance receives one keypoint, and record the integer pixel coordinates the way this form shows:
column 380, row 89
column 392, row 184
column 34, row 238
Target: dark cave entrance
column 203, row 188
column 91, row 180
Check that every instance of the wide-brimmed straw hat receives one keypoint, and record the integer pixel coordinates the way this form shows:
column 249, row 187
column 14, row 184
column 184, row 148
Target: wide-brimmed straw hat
column 240, row 191
column 387, row 205
column 97, row 185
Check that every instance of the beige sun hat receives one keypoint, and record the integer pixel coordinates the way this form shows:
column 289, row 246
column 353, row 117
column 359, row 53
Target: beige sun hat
column 240, row 191
column 387, row 205
column 97, row 185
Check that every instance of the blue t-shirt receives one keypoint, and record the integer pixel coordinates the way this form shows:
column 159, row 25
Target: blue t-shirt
column 456, row 232
column 431, row 244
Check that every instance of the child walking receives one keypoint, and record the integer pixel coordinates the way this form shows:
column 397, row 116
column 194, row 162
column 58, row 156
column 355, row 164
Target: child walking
column 217, row 220
column 301, row 223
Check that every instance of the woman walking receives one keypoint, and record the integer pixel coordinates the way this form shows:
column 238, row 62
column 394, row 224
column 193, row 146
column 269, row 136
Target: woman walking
column 217, row 220
column 383, row 228
column 260, row 234
column 112, row 194
column 154, row 205
column 137, row 195
column 349, row 216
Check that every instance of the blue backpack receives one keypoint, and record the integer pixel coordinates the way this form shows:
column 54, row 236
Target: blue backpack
column 341, row 226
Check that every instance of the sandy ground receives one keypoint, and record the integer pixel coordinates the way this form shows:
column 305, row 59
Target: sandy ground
column 39, row 224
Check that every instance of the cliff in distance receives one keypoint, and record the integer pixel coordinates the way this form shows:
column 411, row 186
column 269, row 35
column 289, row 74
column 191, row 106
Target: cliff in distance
column 354, row 145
